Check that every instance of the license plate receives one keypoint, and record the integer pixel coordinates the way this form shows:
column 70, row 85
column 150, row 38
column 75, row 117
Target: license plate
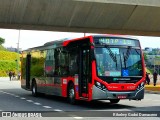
column 121, row 96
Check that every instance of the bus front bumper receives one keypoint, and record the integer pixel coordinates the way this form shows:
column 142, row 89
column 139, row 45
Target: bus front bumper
column 98, row 94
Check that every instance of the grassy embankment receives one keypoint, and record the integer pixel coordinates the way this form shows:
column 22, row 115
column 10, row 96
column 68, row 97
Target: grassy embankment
column 7, row 61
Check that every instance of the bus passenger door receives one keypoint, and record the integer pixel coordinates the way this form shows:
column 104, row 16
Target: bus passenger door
column 28, row 67
column 84, row 72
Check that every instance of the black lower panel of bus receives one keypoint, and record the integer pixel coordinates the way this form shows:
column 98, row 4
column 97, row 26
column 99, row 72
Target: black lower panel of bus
column 28, row 67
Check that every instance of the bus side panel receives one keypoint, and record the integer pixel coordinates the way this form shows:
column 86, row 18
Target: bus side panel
column 37, row 72
column 54, row 86
column 64, row 86
column 65, row 83
column 40, row 84
column 93, row 79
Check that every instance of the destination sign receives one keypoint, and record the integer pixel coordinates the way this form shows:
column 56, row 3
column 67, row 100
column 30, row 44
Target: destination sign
column 116, row 41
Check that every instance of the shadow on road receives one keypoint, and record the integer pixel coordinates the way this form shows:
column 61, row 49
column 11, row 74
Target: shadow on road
column 82, row 108
column 83, row 105
column 93, row 105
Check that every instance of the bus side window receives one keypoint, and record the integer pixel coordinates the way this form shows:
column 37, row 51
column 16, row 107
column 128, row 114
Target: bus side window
column 61, row 64
column 73, row 66
column 56, row 56
column 63, row 58
column 49, row 63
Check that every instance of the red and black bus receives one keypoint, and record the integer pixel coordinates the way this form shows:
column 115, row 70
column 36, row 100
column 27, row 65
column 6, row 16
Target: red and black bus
column 101, row 67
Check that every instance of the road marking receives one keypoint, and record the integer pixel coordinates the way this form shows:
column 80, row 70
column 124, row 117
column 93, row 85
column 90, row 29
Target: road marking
column 78, row 118
column 16, row 96
column 4, row 92
column 12, row 94
column 23, row 98
column 58, row 110
column 7, row 93
column 47, row 107
column 36, row 103
column 75, row 116
column 29, row 100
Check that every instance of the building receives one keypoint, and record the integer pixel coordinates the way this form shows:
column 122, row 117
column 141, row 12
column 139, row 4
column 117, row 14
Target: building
column 14, row 49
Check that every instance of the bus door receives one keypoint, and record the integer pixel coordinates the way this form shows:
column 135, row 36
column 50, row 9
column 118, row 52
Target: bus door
column 28, row 67
column 84, row 72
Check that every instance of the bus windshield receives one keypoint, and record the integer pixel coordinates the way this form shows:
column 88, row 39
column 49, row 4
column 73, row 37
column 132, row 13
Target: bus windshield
column 120, row 62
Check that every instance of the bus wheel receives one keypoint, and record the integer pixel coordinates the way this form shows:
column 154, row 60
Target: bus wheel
column 71, row 94
column 34, row 89
column 114, row 100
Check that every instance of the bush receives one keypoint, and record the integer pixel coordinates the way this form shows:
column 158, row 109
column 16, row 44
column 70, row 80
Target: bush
column 3, row 73
column 8, row 62
column 5, row 55
column 2, row 48
column 6, row 66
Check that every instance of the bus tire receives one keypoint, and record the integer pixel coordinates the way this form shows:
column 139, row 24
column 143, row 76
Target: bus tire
column 114, row 100
column 34, row 89
column 71, row 94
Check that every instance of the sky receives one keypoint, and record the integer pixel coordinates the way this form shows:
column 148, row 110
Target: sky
column 29, row 38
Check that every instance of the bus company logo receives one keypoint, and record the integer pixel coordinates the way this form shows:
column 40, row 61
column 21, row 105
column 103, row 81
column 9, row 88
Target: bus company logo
column 113, row 87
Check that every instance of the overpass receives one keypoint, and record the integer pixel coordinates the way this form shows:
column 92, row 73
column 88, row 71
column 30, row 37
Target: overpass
column 134, row 17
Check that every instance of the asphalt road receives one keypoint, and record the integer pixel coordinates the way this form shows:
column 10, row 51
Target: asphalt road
column 16, row 100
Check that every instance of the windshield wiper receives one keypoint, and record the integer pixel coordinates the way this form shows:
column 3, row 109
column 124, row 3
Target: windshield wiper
column 125, row 57
column 127, row 53
column 112, row 55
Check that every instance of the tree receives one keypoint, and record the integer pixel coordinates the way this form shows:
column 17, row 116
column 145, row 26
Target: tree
column 2, row 40
column 145, row 57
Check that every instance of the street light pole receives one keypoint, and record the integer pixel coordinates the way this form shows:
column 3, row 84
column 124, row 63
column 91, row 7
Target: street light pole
column 154, row 64
column 18, row 54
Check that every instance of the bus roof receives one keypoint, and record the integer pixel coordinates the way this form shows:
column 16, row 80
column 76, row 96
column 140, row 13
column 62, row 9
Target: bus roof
column 66, row 41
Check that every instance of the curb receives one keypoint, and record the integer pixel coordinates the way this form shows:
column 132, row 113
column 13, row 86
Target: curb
column 152, row 89
column 152, row 92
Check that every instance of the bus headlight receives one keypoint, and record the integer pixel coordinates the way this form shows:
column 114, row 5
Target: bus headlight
column 100, row 86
